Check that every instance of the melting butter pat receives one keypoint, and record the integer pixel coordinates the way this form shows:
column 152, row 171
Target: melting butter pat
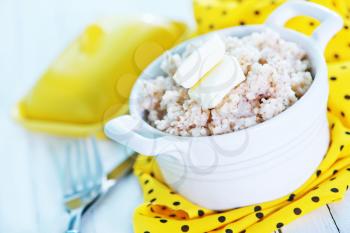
column 201, row 60
column 217, row 83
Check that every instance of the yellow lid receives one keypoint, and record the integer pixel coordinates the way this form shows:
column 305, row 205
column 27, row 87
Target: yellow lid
column 90, row 81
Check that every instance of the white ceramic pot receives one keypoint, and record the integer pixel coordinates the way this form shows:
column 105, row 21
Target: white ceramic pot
column 257, row 164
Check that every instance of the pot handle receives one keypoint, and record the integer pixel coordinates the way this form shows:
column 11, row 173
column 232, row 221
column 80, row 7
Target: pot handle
column 127, row 131
column 330, row 22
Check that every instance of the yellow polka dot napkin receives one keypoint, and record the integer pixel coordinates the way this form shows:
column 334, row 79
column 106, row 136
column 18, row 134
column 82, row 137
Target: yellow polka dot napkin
column 166, row 211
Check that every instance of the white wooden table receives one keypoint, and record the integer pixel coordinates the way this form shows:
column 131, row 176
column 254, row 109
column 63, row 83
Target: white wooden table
column 32, row 33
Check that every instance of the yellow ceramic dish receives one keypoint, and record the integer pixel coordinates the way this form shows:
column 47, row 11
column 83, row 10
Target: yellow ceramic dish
column 90, row 81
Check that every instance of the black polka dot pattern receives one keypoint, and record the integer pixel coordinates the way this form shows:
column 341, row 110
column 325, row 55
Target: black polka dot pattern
column 334, row 190
column 318, row 173
column 279, row 225
column 332, row 126
column 176, row 203
column 222, row 219
column 257, row 208
column 185, row 228
column 315, row 199
column 228, row 231
column 297, row 211
column 291, row 197
column 200, row 213
column 259, row 215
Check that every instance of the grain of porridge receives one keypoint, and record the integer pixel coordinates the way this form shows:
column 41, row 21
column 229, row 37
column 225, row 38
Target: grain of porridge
column 277, row 75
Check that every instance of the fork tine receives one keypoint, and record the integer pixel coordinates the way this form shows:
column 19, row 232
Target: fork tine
column 87, row 182
column 74, row 167
column 86, row 165
column 83, row 172
column 68, row 176
column 81, row 166
column 89, row 164
column 60, row 163
column 98, row 163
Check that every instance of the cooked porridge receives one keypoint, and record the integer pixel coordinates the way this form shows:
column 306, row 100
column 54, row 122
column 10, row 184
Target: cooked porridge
column 277, row 74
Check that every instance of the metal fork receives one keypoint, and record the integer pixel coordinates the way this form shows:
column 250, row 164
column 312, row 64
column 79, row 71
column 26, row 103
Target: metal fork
column 82, row 180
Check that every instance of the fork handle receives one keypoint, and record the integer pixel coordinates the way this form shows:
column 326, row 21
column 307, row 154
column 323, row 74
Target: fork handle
column 75, row 221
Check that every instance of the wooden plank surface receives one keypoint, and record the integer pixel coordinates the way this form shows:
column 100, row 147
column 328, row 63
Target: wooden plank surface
column 32, row 34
